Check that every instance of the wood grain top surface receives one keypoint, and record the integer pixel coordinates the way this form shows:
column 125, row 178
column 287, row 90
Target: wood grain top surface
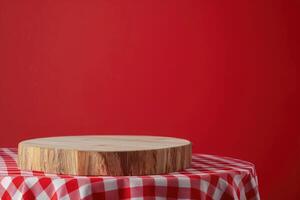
column 107, row 143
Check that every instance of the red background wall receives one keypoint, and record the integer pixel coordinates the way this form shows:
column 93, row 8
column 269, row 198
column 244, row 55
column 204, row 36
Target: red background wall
column 220, row 73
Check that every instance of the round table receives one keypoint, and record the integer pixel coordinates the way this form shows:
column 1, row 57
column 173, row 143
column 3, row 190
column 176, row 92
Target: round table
column 210, row 177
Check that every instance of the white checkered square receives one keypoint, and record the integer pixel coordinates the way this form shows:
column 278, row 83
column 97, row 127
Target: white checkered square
column 137, row 198
column 58, row 182
column 135, row 182
column 160, row 181
column 184, row 182
column 17, row 195
column 31, row 181
column 6, row 181
column 42, row 196
column 85, row 190
column 110, row 184
column 204, row 186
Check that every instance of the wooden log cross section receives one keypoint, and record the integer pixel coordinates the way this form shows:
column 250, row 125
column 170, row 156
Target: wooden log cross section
column 105, row 155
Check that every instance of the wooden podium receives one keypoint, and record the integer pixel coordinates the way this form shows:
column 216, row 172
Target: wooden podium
column 112, row 155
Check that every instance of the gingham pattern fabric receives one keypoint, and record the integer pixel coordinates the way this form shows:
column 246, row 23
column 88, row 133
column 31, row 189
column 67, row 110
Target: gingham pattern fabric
column 210, row 177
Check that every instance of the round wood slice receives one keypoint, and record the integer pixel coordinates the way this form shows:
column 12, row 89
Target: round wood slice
column 105, row 155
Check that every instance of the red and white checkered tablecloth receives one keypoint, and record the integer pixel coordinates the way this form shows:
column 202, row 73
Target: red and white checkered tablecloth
column 210, row 177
